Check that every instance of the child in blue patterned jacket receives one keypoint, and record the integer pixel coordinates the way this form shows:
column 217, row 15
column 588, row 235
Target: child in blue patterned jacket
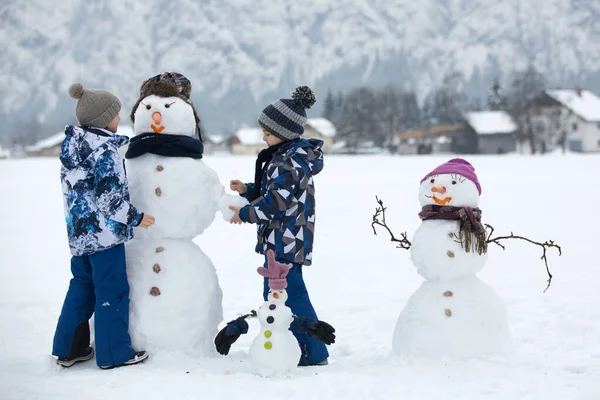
column 282, row 204
column 100, row 219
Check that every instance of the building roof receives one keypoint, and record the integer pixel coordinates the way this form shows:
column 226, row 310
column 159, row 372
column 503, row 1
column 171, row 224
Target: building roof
column 57, row 139
column 431, row 131
column 51, row 141
column 323, row 126
column 491, row 122
column 217, row 139
column 4, row 152
column 584, row 103
column 250, row 136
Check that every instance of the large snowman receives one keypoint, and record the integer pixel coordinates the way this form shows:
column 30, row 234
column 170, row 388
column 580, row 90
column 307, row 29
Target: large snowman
column 453, row 314
column 176, row 299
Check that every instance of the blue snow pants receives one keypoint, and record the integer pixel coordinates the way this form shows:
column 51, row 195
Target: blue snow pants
column 99, row 286
column 313, row 350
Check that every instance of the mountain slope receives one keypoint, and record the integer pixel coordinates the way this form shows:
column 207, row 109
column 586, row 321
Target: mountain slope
column 243, row 54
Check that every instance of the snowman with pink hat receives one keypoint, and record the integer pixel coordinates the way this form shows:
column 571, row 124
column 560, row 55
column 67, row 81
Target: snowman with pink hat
column 453, row 314
column 275, row 349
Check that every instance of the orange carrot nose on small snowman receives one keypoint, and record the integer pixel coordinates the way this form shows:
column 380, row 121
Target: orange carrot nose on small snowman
column 157, row 118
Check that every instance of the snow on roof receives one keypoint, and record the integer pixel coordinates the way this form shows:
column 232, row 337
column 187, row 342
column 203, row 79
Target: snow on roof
column 490, row 122
column 51, row 141
column 4, row 153
column 217, row 138
column 323, row 126
column 57, row 138
column 250, row 136
column 586, row 106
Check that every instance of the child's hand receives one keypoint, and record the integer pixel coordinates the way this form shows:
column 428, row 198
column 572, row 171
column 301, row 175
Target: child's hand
column 238, row 186
column 236, row 215
column 147, row 220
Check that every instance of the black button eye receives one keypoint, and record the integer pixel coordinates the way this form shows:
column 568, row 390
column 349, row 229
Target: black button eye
column 270, row 320
column 272, row 307
column 167, row 105
column 432, row 180
column 148, row 106
column 454, row 182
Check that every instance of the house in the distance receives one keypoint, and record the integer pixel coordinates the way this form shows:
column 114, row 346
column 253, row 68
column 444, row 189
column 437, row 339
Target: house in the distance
column 436, row 139
column 322, row 129
column 4, row 152
column 50, row 146
column 569, row 117
column 247, row 142
column 580, row 118
column 496, row 131
column 217, row 144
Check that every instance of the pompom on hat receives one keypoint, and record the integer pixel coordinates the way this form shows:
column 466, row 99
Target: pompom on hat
column 277, row 272
column 457, row 166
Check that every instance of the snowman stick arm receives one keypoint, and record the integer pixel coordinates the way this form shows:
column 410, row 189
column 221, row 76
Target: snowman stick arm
column 379, row 220
column 545, row 246
column 251, row 314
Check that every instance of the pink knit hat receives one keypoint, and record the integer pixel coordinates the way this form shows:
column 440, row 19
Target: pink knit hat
column 456, row 166
column 276, row 273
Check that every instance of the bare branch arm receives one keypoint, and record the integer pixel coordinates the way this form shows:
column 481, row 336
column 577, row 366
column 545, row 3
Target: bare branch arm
column 404, row 243
column 545, row 246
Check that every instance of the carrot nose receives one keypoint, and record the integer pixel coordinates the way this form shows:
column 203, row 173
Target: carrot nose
column 441, row 190
column 275, row 295
column 157, row 118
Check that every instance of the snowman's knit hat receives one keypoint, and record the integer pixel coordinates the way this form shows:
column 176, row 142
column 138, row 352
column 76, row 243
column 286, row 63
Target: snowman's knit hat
column 457, row 166
column 166, row 84
column 276, row 272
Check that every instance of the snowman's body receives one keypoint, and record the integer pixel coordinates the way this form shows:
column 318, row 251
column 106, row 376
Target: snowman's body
column 176, row 299
column 453, row 313
column 275, row 348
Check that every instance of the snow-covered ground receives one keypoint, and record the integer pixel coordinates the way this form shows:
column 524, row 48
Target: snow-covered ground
column 359, row 283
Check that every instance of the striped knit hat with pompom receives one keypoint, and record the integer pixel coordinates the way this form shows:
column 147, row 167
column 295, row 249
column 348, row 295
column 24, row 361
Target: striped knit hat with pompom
column 286, row 118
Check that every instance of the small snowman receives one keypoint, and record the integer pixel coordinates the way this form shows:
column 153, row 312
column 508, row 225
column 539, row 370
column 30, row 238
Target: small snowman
column 176, row 299
column 453, row 314
column 275, row 349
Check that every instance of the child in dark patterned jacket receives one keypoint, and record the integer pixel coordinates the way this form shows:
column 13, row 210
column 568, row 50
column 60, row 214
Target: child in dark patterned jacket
column 282, row 204
column 100, row 219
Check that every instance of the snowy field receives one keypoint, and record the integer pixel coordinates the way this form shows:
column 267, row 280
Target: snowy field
column 358, row 282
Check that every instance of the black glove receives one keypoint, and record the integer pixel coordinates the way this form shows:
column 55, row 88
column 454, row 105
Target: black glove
column 319, row 329
column 229, row 334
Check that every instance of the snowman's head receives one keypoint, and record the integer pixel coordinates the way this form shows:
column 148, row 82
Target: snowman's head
column 164, row 106
column 164, row 115
column 453, row 184
column 277, row 296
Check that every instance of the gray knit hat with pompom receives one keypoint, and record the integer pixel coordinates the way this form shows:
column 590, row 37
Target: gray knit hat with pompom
column 95, row 107
column 285, row 118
